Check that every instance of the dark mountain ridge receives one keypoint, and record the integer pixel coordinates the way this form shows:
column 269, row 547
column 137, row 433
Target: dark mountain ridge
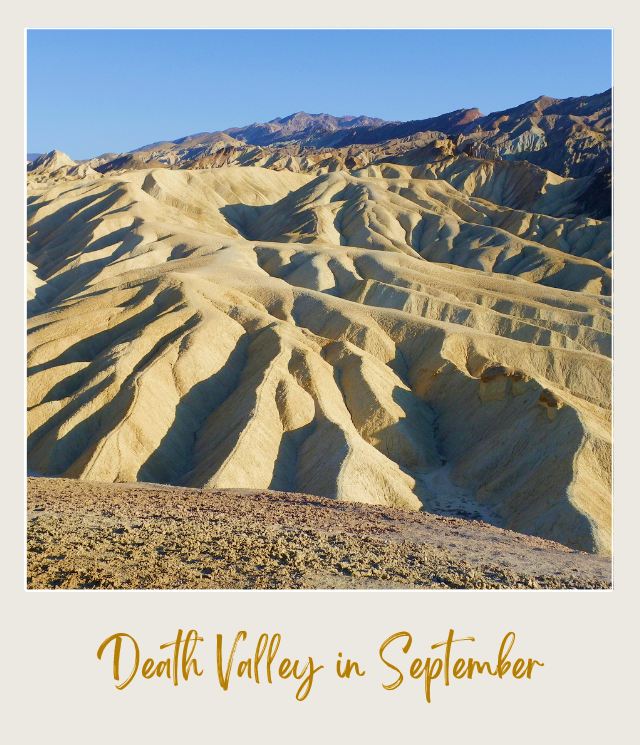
column 571, row 136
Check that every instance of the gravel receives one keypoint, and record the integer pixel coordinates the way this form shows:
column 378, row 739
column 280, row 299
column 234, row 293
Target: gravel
column 146, row 536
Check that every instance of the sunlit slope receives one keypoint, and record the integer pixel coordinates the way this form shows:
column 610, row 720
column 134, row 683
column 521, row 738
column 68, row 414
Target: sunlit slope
column 243, row 327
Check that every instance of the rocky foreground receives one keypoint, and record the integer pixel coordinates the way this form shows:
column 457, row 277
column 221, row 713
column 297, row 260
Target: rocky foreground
column 127, row 536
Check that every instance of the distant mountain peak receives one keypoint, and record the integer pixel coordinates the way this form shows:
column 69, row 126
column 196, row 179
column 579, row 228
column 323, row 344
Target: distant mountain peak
column 296, row 116
column 51, row 161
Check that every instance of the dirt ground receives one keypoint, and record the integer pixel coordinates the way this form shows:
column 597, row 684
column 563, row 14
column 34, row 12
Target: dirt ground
column 117, row 536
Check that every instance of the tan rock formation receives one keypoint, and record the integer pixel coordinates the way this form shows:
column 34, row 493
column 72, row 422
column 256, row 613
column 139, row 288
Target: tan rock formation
column 363, row 336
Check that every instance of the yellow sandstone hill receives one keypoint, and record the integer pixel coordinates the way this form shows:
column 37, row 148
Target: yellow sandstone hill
column 411, row 334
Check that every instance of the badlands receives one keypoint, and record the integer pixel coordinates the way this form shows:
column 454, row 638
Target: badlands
column 410, row 315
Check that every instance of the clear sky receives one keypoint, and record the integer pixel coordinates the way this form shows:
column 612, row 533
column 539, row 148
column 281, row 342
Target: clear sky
column 91, row 92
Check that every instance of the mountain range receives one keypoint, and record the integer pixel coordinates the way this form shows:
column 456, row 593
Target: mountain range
column 571, row 137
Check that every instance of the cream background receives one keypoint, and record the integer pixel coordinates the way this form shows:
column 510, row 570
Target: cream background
column 55, row 690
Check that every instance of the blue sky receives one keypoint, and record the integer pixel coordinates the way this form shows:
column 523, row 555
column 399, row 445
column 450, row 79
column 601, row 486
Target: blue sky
column 90, row 92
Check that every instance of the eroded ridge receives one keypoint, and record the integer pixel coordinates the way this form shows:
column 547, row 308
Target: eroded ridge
column 401, row 335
